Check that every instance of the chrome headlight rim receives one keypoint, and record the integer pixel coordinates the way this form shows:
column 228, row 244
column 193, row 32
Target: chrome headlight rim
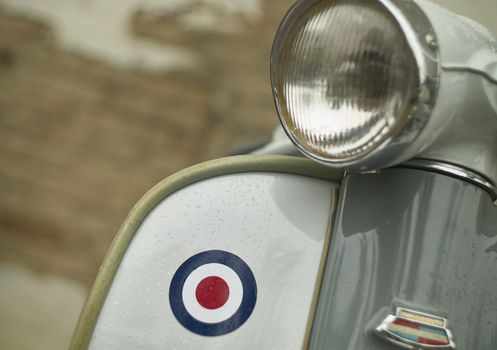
column 421, row 38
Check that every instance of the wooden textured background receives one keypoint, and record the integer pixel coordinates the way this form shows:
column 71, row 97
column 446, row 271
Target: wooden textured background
column 81, row 140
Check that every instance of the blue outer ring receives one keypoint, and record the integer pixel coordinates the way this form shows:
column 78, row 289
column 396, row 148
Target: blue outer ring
column 239, row 317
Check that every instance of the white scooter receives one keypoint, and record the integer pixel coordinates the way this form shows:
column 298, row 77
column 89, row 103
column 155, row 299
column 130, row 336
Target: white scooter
column 386, row 238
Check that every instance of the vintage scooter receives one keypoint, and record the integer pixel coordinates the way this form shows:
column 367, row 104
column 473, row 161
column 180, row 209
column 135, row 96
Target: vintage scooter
column 385, row 239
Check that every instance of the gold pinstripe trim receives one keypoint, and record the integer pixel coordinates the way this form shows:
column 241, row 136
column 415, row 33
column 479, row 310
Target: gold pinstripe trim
column 320, row 274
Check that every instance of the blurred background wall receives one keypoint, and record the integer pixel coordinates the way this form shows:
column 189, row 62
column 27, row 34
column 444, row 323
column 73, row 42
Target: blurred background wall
column 100, row 100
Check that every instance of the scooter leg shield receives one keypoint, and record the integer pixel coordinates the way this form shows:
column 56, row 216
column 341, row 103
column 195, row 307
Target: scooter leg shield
column 228, row 254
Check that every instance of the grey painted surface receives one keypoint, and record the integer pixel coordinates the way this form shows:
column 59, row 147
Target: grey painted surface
column 482, row 11
column 415, row 239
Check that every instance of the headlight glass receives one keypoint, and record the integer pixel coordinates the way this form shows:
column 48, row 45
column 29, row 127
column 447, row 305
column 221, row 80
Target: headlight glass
column 343, row 77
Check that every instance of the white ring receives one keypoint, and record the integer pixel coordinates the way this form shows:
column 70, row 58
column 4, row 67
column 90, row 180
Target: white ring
column 201, row 313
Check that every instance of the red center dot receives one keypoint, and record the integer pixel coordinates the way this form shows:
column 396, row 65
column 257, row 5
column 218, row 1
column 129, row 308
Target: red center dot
column 212, row 292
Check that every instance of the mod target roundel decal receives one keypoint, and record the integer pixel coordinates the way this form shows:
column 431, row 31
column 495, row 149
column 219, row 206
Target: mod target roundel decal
column 213, row 293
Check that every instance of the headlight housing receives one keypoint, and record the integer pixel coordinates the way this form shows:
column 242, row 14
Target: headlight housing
column 354, row 81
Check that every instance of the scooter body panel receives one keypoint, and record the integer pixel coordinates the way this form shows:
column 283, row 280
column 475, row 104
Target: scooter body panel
column 410, row 239
column 261, row 225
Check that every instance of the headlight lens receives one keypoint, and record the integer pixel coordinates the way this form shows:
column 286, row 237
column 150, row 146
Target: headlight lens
column 343, row 77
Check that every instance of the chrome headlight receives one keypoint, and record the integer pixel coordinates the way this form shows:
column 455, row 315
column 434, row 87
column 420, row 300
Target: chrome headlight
column 354, row 81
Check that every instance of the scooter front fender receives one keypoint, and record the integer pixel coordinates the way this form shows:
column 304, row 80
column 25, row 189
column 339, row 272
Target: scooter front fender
column 228, row 254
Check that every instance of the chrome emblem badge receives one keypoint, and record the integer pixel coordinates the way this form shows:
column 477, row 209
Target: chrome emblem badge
column 416, row 330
